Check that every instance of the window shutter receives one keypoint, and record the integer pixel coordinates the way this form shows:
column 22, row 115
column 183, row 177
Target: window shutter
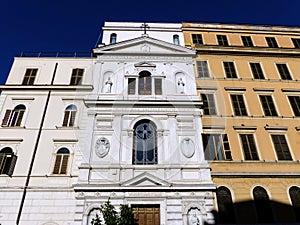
column 66, row 118
column 12, row 165
column 2, row 162
column 64, row 164
column 20, row 116
column 72, row 119
column 6, row 118
column 57, row 164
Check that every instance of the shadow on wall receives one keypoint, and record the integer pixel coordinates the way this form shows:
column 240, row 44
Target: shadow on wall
column 257, row 212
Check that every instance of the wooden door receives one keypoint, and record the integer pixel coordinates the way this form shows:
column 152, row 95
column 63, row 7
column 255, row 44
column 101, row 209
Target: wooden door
column 147, row 214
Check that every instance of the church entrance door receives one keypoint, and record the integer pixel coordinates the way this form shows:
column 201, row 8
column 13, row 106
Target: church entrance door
column 147, row 214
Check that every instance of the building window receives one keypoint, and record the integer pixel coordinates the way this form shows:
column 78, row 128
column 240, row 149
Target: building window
column 222, row 40
column 247, row 41
column 29, row 76
column 144, row 143
column 295, row 199
column 113, row 38
column 61, row 161
column 131, row 86
column 229, row 70
column 250, row 152
column 238, row 105
column 225, row 206
column 283, row 71
column 296, row 42
column 13, row 118
column 197, row 39
column 158, row 86
column 176, row 39
column 216, row 147
column 209, row 107
column 271, row 41
column 145, row 83
column 69, row 116
column 295, row 103
column 76, row 77
column 7, row 161
column 202, row 69
column 281, row 147
column 257, row 71
column 268, row 105
column 262, row 205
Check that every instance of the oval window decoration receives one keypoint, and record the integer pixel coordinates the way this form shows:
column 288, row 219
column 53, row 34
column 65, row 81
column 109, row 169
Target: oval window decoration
column 102, row 147
column 187, row 147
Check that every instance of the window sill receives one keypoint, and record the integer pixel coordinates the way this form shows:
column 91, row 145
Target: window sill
column 67, row 128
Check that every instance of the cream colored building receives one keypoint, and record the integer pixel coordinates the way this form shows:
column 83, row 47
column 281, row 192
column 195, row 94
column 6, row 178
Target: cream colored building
column 248, row 77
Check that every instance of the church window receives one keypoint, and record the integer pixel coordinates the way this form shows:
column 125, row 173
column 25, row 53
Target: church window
column 225, row 206
column 145, row 83
column 29, row 76
column 113, row 38
column 131, row 86
column 61, row 161
column 176, row 39
column 295, row 199
column 7, row 161
column 262, row 205
column 216, row 147
column 76, row 77
column 145, row 143
column 158, row 86
column 13, row 118
column 69, row 117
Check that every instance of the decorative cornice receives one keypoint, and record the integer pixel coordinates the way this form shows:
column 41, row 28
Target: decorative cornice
column 290, row 90
column 283, row 128
column 47, row 87
column 235, row 88
column 207, row 88
column 214, row 127
column 261, row 89
column 244, row 127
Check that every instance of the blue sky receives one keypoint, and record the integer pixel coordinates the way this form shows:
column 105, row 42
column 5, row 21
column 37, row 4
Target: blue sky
column 74, row 26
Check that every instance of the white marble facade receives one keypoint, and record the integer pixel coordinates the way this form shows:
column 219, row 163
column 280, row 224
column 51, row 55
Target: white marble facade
column 135, row 139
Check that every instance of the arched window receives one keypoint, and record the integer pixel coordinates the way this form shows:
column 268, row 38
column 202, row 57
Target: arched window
column 7, row 161
column 69, row 117
column 262, row 205
column 225, row 205
column 13, row 118
column 61, row 161
column 295, row 199
column 176, row 39
column 144, row 143
column 113, row 38
column 145, row 83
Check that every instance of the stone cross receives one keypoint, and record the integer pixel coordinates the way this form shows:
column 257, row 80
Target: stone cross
column 145, row 27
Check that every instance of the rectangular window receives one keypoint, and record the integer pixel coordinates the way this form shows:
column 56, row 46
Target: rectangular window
column 202, row 69
column 296, row 42
column 216, row 147
column 281, row 147
column 197, row 39
column 76, row 77
column 238, row 105
column 268, row 105
column 247, row 41
column 229, row 70
column 222, row 40
column 295, row 103
column 158, row 86
column 208, row 104
column 257, row 71
column 131, row 86
column 271, row 41
column 29, row 76
column 283, row 71
column 250, row 152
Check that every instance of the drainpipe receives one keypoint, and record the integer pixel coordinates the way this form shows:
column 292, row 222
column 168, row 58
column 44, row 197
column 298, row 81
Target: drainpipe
column 35, row 149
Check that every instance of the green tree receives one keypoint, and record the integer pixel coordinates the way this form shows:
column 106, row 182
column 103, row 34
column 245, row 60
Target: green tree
column 97, row 220
column 109, row 213
column 126, row 216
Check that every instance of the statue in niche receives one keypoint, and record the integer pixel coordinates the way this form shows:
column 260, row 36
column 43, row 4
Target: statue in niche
column 107, row 86
column 193, row 216
column 102, row 147
column 181, row 85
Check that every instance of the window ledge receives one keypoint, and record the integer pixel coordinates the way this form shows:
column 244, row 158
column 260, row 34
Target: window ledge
column 67, row 128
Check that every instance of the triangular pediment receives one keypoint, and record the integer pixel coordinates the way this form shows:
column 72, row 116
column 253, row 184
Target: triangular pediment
column 146, row 180
column 144, row 45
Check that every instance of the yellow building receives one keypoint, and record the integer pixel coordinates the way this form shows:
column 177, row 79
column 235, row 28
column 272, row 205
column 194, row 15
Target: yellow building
column 249, row 79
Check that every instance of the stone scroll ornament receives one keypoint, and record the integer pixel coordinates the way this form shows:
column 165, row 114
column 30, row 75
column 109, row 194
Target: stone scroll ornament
column 187, row 147
column 102, row 147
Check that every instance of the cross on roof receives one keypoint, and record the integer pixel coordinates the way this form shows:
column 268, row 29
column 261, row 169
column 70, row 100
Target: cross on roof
column 145, row 26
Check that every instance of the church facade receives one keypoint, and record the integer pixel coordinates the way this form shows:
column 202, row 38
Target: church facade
column 123, row 125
